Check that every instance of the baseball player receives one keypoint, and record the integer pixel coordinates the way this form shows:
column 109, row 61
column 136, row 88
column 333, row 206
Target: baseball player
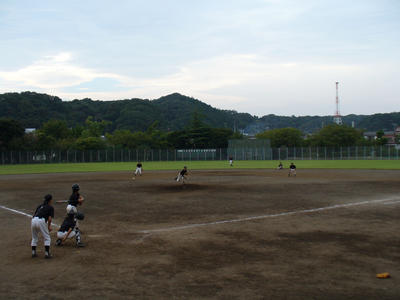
column 41, row 223
column 138, row 170
column 280, row 166
column 75, row 199
column 231, row 161
column 292, row 170
column 69, row 230
column 181, row 175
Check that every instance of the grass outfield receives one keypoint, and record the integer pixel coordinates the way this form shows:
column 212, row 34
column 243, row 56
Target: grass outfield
column 197, row 165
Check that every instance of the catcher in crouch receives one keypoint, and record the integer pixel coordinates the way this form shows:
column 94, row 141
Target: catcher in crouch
column 69, row 228
column 181, row 175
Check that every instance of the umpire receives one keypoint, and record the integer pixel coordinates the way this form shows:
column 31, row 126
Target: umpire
column 41, row 223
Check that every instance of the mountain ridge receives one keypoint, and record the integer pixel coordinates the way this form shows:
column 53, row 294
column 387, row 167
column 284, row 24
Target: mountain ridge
column 173, row 112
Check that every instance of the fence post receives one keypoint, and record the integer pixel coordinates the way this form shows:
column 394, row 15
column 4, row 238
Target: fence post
column 294, row 153
column 279, row 153
column 388, row 152
column 341, row 154
column 380, row 148
column 356, row 156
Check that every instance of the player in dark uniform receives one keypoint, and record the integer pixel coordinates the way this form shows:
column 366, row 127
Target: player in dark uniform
column 231, row 161
column 75, row 199
column 181, row 175
column 41, row 223
column 68, row 229
column 280, row 166
column 138, row 170
column 292, row 170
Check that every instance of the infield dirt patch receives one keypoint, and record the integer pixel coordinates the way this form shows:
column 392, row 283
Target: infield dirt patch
column 331, row 254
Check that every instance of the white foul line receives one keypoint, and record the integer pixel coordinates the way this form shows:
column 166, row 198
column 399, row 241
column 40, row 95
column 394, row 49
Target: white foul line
column 267, row 216
column 21, row 213
column 389, row 203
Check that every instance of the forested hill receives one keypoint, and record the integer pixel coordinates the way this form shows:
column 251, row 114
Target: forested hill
column 173, row 112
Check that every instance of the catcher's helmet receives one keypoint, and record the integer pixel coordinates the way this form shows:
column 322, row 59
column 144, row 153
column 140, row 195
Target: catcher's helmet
column 75, row 187
column 80, row 215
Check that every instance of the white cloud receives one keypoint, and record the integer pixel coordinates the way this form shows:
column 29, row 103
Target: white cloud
column 245, row 82
column 51, row 73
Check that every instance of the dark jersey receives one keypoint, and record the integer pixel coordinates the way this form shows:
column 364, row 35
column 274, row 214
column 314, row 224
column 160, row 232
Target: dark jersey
column 230, row 158
column 183, row 172
column 292, row 166
column 139, row 165
column 74, row 199
column 44, row 211
column 69, row 222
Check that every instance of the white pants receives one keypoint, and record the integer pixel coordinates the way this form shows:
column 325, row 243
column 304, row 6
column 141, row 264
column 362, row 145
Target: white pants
column 62, row 234
column 138, row 171
column 231, row 162
column 180, row 178
column 40, row 225
column 292, row 171
column 71, row 208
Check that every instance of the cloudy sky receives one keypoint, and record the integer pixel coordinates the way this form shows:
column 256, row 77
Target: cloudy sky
column 256, row 56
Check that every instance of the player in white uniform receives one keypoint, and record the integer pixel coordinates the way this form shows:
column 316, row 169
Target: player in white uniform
column 139, row 168
column 181, row 175
column 41, row 224
column 231, row 161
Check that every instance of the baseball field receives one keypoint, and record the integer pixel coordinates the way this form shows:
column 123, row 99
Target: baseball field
column 247, row 232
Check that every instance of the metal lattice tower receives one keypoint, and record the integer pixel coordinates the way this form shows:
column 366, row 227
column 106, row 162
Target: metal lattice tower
column 337, row 118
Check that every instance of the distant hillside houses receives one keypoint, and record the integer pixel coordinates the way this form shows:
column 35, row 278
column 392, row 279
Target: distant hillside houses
column 391, row 136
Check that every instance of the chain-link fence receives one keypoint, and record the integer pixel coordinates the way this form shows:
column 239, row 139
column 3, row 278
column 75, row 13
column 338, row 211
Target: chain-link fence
column 125, row 155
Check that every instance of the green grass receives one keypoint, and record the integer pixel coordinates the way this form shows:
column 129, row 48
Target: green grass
column 197, row 165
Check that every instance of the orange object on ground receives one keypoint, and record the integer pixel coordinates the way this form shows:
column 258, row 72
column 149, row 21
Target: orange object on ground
column 383, row 275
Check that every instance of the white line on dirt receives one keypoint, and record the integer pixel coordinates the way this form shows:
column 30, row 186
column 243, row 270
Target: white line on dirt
column 312, row 210
column 21, row 213
column 389, row 203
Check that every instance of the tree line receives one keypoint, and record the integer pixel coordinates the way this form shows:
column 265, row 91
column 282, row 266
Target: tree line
column 96, row 135
column 331, row 135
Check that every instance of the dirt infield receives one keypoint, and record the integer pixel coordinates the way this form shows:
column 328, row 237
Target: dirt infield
column 139, row 244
